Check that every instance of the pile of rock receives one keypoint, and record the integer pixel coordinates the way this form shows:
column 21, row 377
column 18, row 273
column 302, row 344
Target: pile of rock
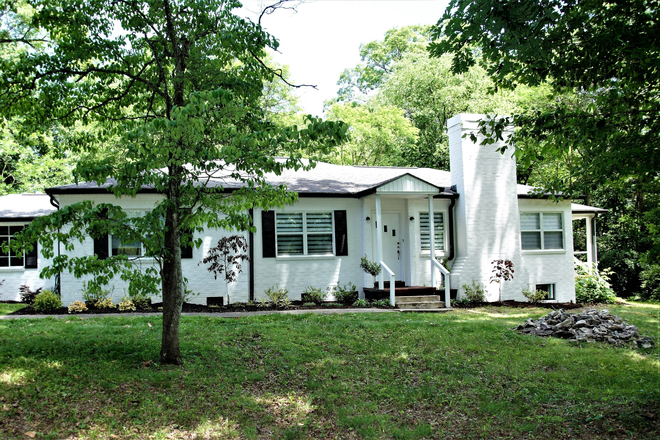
column 591, row 325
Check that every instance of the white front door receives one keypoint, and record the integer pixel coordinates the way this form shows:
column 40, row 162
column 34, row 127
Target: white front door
column 392, row 246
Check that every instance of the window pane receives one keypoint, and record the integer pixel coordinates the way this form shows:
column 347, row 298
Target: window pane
column 552, row 222
column 553, row 240
column 4, row 230
column 4, row 261
column 319, row 244
column 3, row 240
column 15, row 229
column 133, row 249
column 287, row 223
column 289, row 244
column 16, row 261
column 319, row 222
column 530, row 222
column 531, row 240
column 438, row 226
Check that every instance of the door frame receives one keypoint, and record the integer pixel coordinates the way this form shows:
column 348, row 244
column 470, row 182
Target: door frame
column 399, row 272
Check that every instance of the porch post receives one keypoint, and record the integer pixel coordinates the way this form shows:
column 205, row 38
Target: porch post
column 432, row 239
column 379, row 241
column 590, row 245
column 594, row 243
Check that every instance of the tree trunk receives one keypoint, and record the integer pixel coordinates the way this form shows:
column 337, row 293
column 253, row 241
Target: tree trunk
column 172, row 277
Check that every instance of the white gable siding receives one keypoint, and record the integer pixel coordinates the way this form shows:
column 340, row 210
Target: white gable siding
column 407, row 185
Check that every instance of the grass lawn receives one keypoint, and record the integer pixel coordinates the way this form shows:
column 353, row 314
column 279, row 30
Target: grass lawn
column 388, row 375
column 7, row 308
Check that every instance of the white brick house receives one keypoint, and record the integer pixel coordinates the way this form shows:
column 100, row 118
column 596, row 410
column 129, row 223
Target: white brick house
column 346, row 212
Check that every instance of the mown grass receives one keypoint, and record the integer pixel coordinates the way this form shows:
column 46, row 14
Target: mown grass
column 401, row 376
column 7, row 308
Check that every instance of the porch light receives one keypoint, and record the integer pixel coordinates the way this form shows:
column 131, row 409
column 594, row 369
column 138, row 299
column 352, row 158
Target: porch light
column 368, row 219
column 412, row 219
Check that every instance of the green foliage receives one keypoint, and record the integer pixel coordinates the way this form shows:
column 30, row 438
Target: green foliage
column 105, row 303
column 592, row 287
column 534, row 296
column 381, row 303
column 77, row 307
column 47, row 301
column 279, row 297
column 27, row 295
column 373, row 268
column 314, row 294
column 474, row 292
column 361, row 303
column 346, row 294
column 126, row 305
column 91, row 293
column 650, row 283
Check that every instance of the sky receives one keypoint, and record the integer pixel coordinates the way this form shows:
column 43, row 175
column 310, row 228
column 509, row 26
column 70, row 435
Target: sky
column 323, row 37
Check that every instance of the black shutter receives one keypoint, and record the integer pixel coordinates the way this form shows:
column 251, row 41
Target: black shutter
column 101, row 248
column 268, row 233
column 187, row 251
column 341, row 233
column 31, row 258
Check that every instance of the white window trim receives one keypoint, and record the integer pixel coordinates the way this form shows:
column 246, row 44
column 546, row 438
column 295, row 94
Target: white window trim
column 552, row 289
column 305, row 255
column 418, row 234
column 140, row 257
column 16, row 268
column 542, row 231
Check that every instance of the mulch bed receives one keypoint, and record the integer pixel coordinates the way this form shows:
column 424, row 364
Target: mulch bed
column 187, row 308
column 517, row 304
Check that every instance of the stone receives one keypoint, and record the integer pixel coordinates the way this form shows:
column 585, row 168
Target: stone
column 645, row 342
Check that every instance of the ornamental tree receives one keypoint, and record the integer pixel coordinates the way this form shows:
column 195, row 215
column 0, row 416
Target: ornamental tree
column 174, row 87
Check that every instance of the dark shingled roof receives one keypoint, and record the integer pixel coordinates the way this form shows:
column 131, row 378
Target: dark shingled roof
column 24, row 206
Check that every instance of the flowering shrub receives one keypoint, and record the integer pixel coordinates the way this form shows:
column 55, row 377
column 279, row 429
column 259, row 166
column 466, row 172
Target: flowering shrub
column 105, row 303
column 77, row 307
column 126, row 305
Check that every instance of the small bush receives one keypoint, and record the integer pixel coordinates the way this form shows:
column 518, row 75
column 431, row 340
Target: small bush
column 279, row 297
column 370, row 267
column 474, row 292
column 309, row 304
column 47, row 301
column 592, row 287
column 361, row 303
column 27, row 295
column 534, row 296
column 126, row 305
column 92, row 294
column 77, row 307
column 346, row 294
column 105, row 303
column 314, row 295
column 650, row 277
column 382, row 303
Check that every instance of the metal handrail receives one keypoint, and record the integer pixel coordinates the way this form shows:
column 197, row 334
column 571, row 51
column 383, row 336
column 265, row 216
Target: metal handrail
column 392, row 282
column 447, row 283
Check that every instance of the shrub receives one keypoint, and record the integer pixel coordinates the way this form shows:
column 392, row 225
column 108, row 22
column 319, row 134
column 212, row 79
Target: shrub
column 474, row 292
column 309, row 304
column 346, row 294
column 361, row 303
column 279, row 297
column 314, row 295
column 105, row 303
column 370, row 267
column 381, row 303
column 534, row 296
column 27, row 295
column 141, row 302
column 46, row 301
column 592, row 287
column 650, row 277
column 126, row 305
column 77, row 307
column 92, row 294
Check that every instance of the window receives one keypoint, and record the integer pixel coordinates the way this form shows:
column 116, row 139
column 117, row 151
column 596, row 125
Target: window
column 130, row 249
column 541, row 231
column 550, row 288
column 10, row 258
column 304, row 233
column 439, row 228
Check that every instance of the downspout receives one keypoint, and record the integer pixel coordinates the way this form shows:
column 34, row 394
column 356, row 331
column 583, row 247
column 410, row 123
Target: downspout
column 251, row 255
column 58, row 285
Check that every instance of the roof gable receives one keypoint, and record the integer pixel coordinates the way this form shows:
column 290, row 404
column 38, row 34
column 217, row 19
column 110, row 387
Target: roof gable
column 407, row 184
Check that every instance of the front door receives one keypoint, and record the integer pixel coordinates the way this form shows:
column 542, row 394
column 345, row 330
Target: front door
column 392, row 243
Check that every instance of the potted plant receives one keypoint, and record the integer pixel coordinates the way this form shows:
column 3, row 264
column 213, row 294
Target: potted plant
column 371, row 267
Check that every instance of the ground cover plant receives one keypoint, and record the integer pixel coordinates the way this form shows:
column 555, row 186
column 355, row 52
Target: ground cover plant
column 465, row 374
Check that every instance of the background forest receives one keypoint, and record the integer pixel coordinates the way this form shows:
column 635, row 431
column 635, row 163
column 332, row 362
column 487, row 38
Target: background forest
column 397, row 103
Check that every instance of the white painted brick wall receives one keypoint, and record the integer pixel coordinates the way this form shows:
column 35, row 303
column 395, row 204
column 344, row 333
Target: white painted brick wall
column 488, row 219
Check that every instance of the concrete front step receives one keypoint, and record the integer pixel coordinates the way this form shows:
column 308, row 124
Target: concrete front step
column 417, row 299
column 420, row 305
column 441, row 310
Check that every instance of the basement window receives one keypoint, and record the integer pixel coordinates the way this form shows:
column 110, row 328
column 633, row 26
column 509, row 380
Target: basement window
column 549, row 288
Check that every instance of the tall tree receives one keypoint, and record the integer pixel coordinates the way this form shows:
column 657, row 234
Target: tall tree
column 606, row 52
column 176, row 88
